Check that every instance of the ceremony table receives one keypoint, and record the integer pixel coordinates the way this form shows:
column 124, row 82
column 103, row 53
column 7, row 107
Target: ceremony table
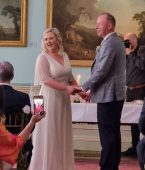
column 87, row 112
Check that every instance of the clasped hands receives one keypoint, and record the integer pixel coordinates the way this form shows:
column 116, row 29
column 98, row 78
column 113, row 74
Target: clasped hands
column 73, row 89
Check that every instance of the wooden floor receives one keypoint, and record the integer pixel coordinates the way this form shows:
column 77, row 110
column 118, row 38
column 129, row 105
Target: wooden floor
column 89, row 160
column 94, row 165
column 87, row 148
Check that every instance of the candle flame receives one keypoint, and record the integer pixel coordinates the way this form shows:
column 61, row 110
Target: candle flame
column 78, row 79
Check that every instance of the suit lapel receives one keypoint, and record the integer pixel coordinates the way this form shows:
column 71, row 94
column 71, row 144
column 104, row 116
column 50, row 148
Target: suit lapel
column 97, row 53
column 93, row 63
column 98, row 49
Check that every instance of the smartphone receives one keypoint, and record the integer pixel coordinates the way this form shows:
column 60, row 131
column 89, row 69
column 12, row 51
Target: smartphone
column 38, row 104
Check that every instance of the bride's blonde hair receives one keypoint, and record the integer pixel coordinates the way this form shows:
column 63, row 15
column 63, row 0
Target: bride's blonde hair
column 56, row 32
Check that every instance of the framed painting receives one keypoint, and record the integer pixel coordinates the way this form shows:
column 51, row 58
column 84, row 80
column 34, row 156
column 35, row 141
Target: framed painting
column 76, row 21
column 13, row 25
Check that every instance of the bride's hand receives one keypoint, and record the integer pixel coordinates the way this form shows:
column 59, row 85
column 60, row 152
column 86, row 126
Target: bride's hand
column 71, row 89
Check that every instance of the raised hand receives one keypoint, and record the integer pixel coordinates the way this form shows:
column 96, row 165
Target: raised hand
column 37, row 117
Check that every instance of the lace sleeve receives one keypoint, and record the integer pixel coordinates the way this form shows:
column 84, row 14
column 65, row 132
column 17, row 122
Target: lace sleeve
column 42, row 73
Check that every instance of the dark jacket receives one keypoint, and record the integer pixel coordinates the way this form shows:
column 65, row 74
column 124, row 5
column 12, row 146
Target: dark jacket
column 14, row 101
column 135, row 67
column 142, row 120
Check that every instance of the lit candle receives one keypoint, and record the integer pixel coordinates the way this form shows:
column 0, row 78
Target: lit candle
column 78, row 79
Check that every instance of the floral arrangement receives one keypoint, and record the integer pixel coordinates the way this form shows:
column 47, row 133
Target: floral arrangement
column 26, row 109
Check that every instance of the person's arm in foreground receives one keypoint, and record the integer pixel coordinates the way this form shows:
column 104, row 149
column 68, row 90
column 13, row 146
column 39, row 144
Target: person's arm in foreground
column 10, row 144
column 28, row 129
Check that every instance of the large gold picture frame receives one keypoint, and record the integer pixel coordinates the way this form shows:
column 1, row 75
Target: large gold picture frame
column 13, row 25
column 76, row 21
column 49, row 22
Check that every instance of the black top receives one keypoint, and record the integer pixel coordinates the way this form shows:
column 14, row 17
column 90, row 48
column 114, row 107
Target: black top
column 135, row 67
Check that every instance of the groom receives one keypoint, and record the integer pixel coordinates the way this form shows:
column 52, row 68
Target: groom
column 107, row 86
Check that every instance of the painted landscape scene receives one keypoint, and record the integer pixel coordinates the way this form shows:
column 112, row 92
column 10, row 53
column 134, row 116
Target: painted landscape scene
column 76, row 20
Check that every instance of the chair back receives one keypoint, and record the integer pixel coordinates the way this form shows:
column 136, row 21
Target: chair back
column 15, row 123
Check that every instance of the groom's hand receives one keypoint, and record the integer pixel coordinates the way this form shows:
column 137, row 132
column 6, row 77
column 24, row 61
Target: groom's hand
column 85, row 95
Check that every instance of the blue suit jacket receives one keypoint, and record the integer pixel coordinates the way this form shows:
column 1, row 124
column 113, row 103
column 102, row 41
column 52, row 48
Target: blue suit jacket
column 14, row 101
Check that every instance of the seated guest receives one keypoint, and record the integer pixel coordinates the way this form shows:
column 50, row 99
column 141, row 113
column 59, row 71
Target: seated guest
column 10, row 145
column 14, row 101
column 141, row 143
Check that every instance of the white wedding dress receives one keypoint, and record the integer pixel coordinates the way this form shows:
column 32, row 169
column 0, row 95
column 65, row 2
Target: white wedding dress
column 52, row 136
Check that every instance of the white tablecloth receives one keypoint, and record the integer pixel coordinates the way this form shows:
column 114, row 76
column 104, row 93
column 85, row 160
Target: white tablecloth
column 87, row 112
